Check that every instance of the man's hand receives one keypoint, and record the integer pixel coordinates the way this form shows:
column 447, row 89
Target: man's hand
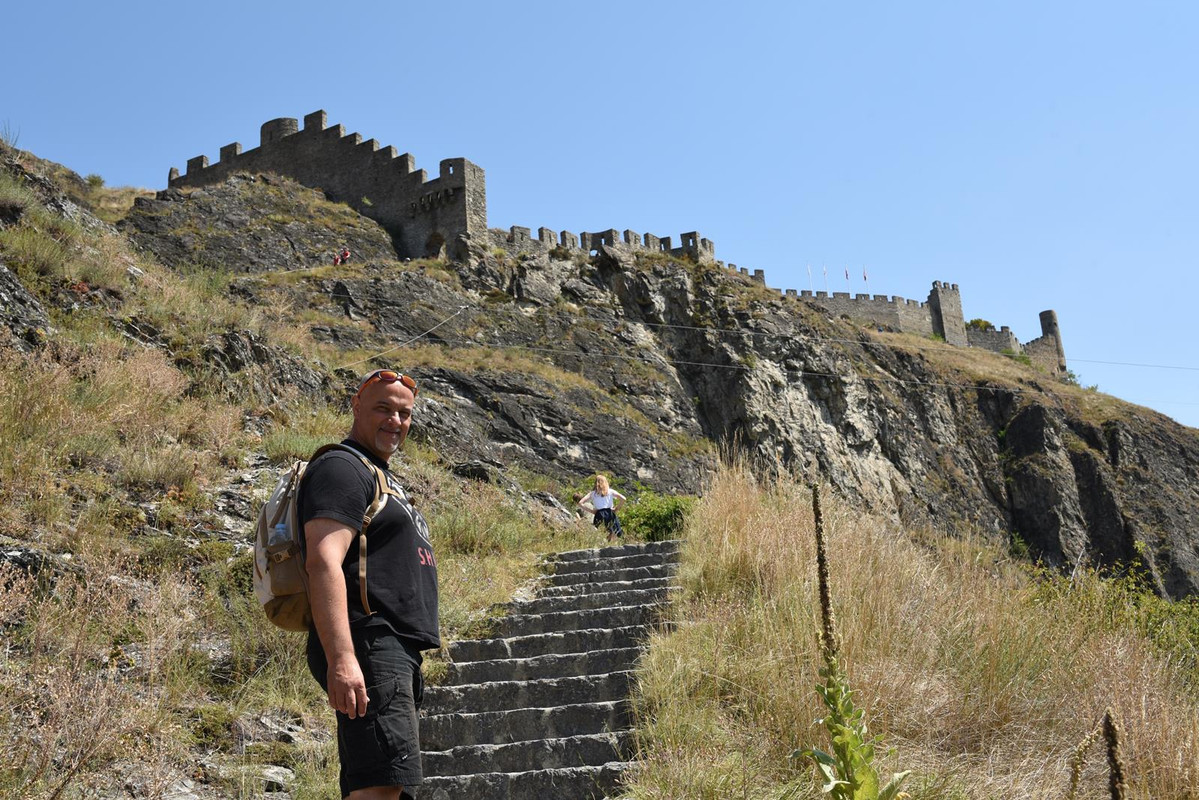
column 347, row 688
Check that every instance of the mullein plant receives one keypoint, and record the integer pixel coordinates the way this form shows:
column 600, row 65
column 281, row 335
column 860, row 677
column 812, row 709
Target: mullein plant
column 848, row 771
column 1110, row 731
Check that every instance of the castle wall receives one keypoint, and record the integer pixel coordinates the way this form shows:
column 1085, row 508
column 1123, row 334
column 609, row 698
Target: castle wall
column 519, row 240
column 895, row 313
column 995, row 341
column 424, row 215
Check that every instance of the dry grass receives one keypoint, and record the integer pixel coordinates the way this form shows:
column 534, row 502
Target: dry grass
column 82, row 425
column 982, row 684
column 87, row 681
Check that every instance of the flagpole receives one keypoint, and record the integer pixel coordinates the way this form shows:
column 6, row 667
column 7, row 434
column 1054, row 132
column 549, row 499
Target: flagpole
column 865, row 279
column 826, row 278
column 810, row 287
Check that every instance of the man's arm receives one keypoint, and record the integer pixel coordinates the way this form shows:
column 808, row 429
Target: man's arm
column 328, row 541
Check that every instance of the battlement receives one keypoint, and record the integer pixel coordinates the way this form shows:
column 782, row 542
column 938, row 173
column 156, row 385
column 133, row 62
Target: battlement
column 518, row 240
column 423, row 215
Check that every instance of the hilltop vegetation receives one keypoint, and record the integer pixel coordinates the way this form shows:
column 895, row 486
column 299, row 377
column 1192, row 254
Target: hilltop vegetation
column 148, row 398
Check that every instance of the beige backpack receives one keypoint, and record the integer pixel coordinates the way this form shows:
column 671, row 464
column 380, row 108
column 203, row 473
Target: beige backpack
column 280, row 579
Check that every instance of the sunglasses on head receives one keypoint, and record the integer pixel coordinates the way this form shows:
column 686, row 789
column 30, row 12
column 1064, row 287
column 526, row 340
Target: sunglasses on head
column 387, row 376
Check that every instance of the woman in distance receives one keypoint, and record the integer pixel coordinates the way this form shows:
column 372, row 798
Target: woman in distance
column 604, row 501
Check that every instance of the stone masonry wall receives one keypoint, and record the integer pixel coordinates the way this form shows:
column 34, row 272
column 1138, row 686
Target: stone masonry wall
column 517, row 240
column 424, row 216
column 996, row 341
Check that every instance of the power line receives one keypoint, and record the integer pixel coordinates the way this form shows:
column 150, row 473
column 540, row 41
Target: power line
column 405, row 344
column 809, row 337
column 743, row 367
column 737, row 367
column 1133, row 364
column 768, row 334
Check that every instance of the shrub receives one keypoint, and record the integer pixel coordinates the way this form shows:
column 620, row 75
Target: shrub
column 656, row 517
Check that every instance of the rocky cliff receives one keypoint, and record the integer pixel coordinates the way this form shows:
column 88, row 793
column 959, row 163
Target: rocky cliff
column 646, row 365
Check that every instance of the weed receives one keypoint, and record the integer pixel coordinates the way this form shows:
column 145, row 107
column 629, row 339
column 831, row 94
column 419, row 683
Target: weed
column 848, row 772
column 655, row 517
column 9, row 135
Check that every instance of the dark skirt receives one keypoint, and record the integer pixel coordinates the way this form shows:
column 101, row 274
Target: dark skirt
column 607, row 518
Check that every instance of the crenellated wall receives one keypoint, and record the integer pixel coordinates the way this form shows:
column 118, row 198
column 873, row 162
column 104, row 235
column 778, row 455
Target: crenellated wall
column 518, row 239
column 996, row 341
column 423, row 215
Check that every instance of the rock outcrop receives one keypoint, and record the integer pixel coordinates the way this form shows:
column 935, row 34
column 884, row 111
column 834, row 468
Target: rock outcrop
column 22, row 318
column 251, row 223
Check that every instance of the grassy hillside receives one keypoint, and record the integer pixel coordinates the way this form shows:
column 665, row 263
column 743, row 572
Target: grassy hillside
column 135, row 655
column 981, row 674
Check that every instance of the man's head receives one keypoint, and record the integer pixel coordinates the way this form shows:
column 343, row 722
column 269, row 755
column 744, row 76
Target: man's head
column 382, row 409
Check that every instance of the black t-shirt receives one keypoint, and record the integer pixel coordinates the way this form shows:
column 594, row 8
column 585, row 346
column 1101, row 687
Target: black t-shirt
column 401, row 575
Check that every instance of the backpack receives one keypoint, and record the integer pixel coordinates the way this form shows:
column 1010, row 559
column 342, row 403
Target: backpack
column 280, row 578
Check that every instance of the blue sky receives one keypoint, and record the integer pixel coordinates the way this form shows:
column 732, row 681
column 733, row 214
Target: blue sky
column 1040, row 155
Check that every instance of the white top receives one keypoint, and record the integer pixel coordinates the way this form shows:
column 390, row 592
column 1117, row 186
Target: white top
column 599, row 501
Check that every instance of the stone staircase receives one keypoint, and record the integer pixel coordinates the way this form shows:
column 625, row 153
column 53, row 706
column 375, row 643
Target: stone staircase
column 541, row 711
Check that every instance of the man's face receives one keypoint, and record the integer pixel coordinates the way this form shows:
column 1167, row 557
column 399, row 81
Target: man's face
column 382, row 414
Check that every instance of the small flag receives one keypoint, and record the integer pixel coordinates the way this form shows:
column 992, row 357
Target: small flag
column 847, row 273
column 864, row 274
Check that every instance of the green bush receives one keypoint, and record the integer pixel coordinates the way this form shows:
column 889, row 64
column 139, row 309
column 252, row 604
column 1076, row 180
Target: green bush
column 656, row 517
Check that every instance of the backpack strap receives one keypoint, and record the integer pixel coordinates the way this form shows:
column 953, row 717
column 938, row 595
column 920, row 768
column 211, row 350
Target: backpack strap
column 382, row 492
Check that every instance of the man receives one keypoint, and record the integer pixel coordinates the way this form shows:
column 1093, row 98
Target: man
column 365, row 647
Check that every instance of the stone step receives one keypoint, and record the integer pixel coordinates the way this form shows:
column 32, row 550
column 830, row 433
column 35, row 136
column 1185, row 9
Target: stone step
column 445, row 731
column 578, row 602
column 604, row 588
column 571, row 751
column 620, row 562
column 591, row 554
column 611, row 617
column 594, row 662
column 538, row 693
column 555, row 643
column 604, row 575
column 572, row 783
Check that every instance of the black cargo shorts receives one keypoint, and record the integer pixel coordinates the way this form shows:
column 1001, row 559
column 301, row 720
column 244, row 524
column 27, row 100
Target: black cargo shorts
column 381, row 748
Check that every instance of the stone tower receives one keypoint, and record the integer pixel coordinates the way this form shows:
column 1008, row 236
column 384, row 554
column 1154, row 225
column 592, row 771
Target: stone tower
column 1048, row 350
column 945, row 305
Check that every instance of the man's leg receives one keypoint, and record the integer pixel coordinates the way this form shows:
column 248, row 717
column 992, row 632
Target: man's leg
column 376, row 793
column 380, row 752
